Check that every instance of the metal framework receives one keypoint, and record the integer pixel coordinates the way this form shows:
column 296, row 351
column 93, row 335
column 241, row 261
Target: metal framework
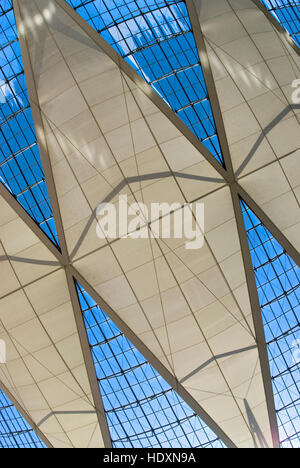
column 278, row 285
column 15, row 432
column 258, row 324
column 287, row 12
column 20, row 164
column 156, row 38
column 141, row 408
column 85, row 345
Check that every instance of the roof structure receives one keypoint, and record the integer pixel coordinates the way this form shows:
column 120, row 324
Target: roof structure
column 287, row 12
column 21, row 169
column 16, row 432
column 141, row 342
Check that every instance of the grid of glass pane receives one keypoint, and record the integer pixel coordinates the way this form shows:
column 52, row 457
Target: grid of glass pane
column 14, row 430
column 287, row 12
column 142, row 410
column 278, row 284
column 156, row 38
column 20, row 164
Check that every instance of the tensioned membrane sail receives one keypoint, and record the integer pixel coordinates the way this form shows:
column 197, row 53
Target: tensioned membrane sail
column 157, row 39
column 44, row 370
column 254, row 68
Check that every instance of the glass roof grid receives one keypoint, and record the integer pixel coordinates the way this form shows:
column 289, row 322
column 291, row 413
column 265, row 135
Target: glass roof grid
column 278, row 285
column 20, row 164
column 14, row 430
column 142, row 409
column 156, row 38
column 287, row 12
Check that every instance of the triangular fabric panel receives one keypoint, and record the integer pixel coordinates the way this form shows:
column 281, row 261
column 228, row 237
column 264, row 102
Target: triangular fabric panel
column 44, row 369
column 15, row 432
column 287, row 12
column 143, row 411
column 190, row 308
column 156, row 38
column 23, row 257
column 20, row 164
column 256, row 71
column 278, row 284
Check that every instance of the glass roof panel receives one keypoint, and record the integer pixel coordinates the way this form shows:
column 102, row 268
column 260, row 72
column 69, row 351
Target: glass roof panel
column 20, row 163
column 278, row 285
column 287, row 12
column 14, row 430
column 142, row 410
